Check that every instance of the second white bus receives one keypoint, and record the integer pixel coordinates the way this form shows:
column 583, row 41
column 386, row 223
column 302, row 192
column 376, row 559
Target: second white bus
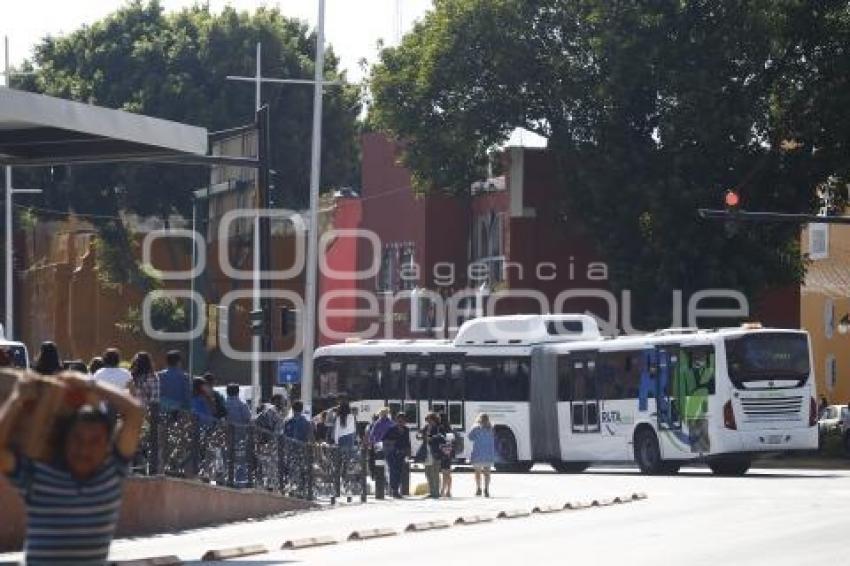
column 560, row 393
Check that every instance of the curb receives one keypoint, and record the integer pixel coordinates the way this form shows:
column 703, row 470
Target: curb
column 154, row 561
column 473, row 519
column 365, row 534
column 515, row 514
column 426, row 526
column 547, row 509
column 299, row 543
column 234, row 552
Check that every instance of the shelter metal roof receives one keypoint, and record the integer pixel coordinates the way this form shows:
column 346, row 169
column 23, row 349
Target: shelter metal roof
column 42, row 130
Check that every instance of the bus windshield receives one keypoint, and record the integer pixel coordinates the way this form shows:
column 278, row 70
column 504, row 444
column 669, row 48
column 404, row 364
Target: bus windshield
column 765, row 355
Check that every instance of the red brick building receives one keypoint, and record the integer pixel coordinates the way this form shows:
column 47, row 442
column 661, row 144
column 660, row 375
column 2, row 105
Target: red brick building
column 502, row 248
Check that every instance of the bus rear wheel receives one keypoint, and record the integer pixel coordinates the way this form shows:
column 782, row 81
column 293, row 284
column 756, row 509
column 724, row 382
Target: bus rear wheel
column 730, row 466
column 648, row 453
column 569, row 467
column 507, row 456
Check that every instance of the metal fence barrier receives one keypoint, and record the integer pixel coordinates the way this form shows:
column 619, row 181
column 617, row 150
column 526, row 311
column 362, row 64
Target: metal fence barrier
column 180, row 444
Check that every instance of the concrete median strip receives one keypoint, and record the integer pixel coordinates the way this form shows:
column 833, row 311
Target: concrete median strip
column 426, row 526
column 155, row 561
column 365, row 534
column 473, row 519
column 310, row 542
column 547, row 509
column 514, row 514
column 576, row 505
column 638, row 496
column 602, row 502
column 234, row 552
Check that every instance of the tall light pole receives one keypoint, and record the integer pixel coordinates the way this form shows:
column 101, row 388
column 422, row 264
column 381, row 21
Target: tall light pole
column 310, row 289
column 258, row 79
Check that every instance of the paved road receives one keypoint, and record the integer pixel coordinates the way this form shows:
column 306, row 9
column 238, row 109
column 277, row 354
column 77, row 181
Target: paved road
column 776, row 517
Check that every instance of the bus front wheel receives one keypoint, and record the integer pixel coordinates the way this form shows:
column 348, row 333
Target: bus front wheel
column 730, row 466
column 569, row 467
column 648, row 453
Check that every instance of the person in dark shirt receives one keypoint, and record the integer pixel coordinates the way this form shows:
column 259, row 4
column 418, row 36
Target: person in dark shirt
column 396, row 448
column 174, row 385
column 219, row 403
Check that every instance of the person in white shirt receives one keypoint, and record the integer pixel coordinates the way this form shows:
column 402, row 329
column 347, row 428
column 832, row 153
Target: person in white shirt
column 111, row 373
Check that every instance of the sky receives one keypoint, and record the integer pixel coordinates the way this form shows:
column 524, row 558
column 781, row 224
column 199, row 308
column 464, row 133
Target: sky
column 352, row 27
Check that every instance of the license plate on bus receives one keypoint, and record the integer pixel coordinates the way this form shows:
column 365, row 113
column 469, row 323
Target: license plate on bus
column 774, row 439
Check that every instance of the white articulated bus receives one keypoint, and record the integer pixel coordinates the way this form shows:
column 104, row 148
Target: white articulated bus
column 558, row 392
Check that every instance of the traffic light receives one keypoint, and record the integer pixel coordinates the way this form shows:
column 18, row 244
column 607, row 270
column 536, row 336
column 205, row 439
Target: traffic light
column 287, row 321
column 257, row 322
column 731, row 199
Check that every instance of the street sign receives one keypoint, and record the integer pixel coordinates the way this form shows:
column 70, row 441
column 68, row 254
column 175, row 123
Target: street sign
column 288, row 371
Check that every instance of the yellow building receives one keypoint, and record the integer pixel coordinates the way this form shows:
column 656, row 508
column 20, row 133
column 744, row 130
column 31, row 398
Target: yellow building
column 824, row 301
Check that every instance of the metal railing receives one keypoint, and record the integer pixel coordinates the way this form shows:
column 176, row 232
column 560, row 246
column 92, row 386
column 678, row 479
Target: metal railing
column 180, row 444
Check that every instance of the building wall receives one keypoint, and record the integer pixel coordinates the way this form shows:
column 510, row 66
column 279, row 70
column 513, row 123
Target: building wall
column 824, row 301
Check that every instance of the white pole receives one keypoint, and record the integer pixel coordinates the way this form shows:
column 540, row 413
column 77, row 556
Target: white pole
column 192, row 287
column 10, row 247
column 256, row 341
column 313, row 242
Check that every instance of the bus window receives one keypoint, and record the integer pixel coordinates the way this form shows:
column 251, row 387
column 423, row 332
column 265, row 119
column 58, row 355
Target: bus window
column 514, row 380
column 326, row 386
column 362, row 378
column 440, row 382
column 411, row 378
column 479, row 375
column 456, row 383
column 564, row 387
column 392, row 387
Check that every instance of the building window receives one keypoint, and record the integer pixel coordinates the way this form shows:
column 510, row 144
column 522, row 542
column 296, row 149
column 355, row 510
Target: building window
column 487, row 244
column 407, row 267
column 829, row 318
column 398, row 268
column 831, row 372
column 818, row 241
column 388, row 262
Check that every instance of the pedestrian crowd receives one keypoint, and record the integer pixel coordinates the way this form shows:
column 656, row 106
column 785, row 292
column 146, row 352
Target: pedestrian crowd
column 81, row 483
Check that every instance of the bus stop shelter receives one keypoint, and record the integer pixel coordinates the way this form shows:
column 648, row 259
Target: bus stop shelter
column 38, row 130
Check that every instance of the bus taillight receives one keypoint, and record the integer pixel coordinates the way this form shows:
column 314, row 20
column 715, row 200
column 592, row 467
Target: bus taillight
column 729, row 416
column 813, row 412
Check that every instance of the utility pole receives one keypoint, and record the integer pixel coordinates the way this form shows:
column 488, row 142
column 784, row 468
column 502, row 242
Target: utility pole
column 310, row 289
column 262, row 225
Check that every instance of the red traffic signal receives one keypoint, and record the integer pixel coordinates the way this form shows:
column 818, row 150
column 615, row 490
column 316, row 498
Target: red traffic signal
column 732, row 199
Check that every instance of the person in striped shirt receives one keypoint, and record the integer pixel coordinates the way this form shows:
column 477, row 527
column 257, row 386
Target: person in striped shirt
column 72, row 504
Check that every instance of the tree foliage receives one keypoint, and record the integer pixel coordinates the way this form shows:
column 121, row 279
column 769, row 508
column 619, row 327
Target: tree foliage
column 652, row 110
column 174, row 66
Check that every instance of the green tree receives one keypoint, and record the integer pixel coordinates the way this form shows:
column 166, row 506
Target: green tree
column 651, row 109
column 174, row 66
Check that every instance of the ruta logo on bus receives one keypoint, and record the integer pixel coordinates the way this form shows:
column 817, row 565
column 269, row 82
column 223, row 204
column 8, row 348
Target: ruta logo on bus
column 431, row 312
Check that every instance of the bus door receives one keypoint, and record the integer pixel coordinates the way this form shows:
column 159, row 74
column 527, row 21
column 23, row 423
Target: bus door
column 584, row 400
column 447, row 395
column 668, row 410
column 405, row 381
